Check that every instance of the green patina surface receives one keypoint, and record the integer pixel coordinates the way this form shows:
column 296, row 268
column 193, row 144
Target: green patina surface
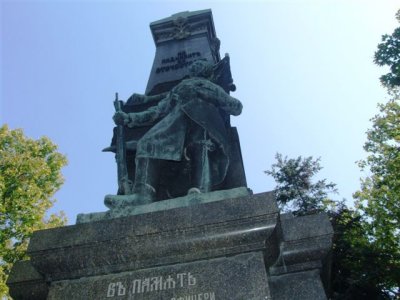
column 185, row 201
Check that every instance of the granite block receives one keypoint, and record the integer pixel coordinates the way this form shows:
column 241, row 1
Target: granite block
column 232, row 278
column 301, row 285
column 208, row 230
column 26, row 283
column 306, row 242
column 180, row 39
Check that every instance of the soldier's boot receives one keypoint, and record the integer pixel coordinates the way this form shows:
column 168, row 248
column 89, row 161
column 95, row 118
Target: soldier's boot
column 143, row 190
column 146, row 177
column 200, row 167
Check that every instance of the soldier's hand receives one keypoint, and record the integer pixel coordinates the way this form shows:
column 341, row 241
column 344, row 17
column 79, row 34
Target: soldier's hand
column 121, row 118
column 236, row 107
column 137, row 99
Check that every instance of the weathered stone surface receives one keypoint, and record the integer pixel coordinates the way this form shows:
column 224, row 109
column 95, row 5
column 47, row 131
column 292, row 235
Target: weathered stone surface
column 181, row 39
column 213, row 241
column 208, row 230
column 301, row 285
column 306, row 242
column 185, row 201
column 238, row 277
column 26, row 283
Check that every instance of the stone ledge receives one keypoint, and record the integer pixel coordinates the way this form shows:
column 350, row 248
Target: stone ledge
column 200, row 231
column 26, row 283
column 294, row 250
column 301, row 285
column 168, row 204
column 305, row 246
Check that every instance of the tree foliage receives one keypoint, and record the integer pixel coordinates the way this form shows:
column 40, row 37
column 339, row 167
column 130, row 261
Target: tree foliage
column 379, row 196
column 388, row 54
column 30, row 174
column 295, row 190
column 358, row 266
column 378, row 199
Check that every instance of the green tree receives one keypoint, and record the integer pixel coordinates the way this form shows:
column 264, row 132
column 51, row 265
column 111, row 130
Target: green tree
column 379, row 196
column 388, row 54
column 30, row 174
column 358, row 266
column 295, row 190
column 378, row 199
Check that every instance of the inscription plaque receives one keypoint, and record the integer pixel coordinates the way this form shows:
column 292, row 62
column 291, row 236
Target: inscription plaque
column 230, row 278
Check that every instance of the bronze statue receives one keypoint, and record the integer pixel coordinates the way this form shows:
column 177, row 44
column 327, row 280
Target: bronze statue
column 188, row 126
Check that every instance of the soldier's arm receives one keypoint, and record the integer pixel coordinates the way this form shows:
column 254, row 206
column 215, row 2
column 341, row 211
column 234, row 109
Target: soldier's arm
column 151, row 115
column 137, row 99
column 231, row 105
column 228, row 103
column 216, row 95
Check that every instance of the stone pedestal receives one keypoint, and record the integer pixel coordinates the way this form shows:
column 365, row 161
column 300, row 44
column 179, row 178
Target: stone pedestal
column 181, row 39
column 231, row 248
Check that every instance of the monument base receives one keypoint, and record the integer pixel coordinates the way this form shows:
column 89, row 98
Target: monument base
column 191, row 199
column 241, row 276
column 238, row 247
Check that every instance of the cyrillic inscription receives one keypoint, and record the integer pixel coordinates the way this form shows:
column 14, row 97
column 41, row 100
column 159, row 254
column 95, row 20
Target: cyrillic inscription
column 182, row 60
column 199, row 296
column 151, row 284
column 226, row 278
column 116, row 289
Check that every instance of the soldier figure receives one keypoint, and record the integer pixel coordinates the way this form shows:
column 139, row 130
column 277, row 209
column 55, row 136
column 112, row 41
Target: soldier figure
column 188, row 126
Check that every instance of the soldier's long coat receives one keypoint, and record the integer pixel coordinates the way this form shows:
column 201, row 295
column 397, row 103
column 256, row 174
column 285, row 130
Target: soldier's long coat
column 193, row 101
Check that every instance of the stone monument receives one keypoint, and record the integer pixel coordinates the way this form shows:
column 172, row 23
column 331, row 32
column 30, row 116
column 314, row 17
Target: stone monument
column 183, row 225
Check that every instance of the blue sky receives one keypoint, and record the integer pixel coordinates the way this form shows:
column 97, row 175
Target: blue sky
column 303, row 71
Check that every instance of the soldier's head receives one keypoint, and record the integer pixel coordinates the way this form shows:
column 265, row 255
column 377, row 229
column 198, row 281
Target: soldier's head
column 201, row 68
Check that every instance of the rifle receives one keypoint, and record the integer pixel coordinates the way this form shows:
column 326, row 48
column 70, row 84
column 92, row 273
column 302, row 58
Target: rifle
column 124, row 184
